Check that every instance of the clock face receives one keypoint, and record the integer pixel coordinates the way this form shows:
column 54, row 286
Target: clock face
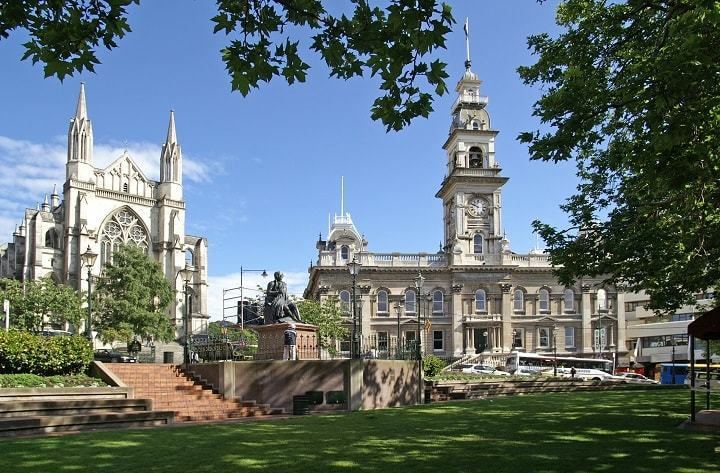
column 477, row 206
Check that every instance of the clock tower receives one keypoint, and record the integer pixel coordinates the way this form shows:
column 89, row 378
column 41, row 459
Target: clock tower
column 471, row 190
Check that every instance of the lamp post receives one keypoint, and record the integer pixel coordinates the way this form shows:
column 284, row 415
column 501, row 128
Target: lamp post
column 419, row 281
column 88, row 259
column 398, row 308
column 186, row 275
column 512, row 345
column 354, row 268
column 554, row 341
column 242, row 300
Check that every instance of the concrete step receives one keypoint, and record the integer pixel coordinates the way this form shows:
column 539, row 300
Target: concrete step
column 71, row 407
column 39, row 425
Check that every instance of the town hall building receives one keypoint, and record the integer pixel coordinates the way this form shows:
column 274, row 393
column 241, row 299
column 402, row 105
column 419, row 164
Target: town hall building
column 474, row 296
column 100, row 209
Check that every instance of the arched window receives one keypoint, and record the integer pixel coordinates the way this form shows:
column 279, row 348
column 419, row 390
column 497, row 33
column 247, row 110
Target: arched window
column 123, row 228
column 480, row 301
column 602, row 300
column 518, row 300
column 382, row 302
column 476, row 157
column 344, row 252
column 409, row 302
column 569, row 300
column 477, row 244
column 345, row 302
column 189, row 257
column 475, row 125
column 544, row 300
column 438, row 299
column 51, row 239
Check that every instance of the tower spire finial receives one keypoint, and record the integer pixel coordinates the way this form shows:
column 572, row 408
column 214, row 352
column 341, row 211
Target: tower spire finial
column 81, row 110
column 171, row 134
column 466, row 27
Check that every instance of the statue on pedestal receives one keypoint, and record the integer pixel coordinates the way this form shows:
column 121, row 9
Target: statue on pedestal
column 278, row 307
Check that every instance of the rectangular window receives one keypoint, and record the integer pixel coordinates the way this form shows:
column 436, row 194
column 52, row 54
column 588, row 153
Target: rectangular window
column 437, row 307
column 382, row 341
column 518, row 337
column 543, row 337
column 345, row 346
column 410, row 337
column 438, row 339
column 569, row 337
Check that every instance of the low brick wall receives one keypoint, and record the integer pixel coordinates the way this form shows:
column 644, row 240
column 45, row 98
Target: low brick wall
column 437, row 391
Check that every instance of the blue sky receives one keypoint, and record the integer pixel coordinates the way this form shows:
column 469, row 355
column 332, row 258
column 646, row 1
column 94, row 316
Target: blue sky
column 263, row 171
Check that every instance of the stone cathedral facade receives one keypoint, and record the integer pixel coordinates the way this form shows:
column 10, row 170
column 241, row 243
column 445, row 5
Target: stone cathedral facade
column 103, row 208
column 478, row 296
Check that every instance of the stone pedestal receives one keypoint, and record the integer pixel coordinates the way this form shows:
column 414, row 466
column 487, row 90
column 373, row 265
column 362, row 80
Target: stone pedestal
column 271, row 341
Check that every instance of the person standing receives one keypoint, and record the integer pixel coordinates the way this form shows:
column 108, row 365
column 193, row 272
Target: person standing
column 290, row 336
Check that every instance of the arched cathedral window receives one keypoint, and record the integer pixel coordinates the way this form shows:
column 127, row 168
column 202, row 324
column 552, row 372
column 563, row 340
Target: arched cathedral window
column 52, row 240
column 123, row 228
column 477, row 244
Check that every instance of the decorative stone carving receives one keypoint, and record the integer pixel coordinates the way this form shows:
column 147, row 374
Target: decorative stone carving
column 505, row 287
column 457, row 288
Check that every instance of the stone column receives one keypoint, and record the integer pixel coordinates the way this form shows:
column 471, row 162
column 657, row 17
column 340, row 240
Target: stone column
column 586, row 311
column 506, row 311
column 457, row 327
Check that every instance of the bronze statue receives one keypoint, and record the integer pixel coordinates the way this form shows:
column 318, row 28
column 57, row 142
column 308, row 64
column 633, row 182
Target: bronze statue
column 278, row 307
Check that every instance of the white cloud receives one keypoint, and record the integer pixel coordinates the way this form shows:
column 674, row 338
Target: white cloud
column 296, row 282
column 31, row 169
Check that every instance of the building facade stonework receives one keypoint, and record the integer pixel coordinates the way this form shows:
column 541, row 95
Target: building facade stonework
column 103, row 208
column 478, row 296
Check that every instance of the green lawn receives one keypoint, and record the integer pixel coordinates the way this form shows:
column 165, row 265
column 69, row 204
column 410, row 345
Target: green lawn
column 632, row 431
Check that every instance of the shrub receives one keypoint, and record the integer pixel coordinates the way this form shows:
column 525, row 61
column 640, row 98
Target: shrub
column 24, row 352
column 432, row 365
column 35, row 381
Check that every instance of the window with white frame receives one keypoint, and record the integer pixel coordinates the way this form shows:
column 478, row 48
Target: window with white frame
column 409, row 302
column 543, row 337
column 345, row 302
column 344, row 252
column 569, row 300
column 602, row 300
column 569, row 337
column 382, row 302
column 438, row 340
column 518, row 335
column 438, row 299
column 518, row 300
column 477, row 244
column 480, row 301
column 382, row 341
column 544, row 300
column 345, row 345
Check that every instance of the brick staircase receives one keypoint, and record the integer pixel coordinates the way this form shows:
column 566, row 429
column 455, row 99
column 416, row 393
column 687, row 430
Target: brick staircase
column 171, row 390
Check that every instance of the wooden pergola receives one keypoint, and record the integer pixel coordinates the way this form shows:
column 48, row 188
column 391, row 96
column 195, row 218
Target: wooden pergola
column 706, row 327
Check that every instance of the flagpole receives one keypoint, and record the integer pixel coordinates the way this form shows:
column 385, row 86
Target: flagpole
column 467, row 42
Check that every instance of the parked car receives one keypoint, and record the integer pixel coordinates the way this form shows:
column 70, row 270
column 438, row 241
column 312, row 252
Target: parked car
column 634, row 378
column 589, row 374
column 485, row 369
column 108, row 356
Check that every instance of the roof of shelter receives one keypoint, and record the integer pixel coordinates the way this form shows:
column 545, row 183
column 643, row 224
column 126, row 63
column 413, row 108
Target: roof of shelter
column 707, row 326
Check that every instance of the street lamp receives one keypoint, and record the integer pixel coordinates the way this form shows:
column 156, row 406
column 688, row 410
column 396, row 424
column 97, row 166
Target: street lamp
column 242, row 300
column 186, row 275
column 419, row 281
column 554, row 340
column 398, row 308
column 672, row 372
column 514, row 335
column 88, row 259
column 354, row 268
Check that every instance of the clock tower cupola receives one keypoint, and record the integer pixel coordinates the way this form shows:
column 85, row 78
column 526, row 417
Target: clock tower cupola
column 471, row 190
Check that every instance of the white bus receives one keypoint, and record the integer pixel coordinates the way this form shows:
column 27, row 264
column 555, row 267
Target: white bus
column 534, row 363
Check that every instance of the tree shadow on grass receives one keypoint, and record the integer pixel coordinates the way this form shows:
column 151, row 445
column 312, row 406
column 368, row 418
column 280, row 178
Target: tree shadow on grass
column 585, row 432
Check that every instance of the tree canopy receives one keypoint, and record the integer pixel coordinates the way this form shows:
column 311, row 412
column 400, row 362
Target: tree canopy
column 394, row 43
column 631, row 92
column 328, row 319
column 34, row 302
column 131, row 298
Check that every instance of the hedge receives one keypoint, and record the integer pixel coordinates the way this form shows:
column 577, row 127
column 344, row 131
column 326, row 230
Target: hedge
column 24, row 352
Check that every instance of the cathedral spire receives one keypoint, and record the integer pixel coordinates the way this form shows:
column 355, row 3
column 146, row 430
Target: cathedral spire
column 171, row 159
column 81, row 110
column 171, row 134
